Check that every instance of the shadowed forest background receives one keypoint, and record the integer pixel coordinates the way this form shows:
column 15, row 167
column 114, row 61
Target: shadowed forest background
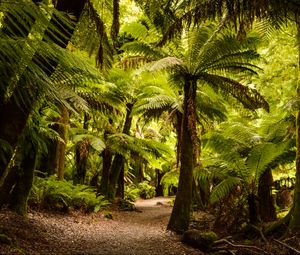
column 104, row 103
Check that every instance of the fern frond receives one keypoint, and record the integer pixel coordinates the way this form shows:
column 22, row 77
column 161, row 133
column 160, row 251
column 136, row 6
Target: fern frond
column 224, row 188
column 249, row 97
column 262, row 155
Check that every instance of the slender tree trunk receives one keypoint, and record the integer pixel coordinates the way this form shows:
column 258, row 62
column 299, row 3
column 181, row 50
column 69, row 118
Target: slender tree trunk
column 118, row 161
column 81, row 157
column 116, row 168
column 121, row 184
column 21, row 190
column 267, row 208
column 106, row 166
column 9, row 178
column 159, row 188
column 62, row 145
column 179, row 116
column 180, row 217
column 115, row 27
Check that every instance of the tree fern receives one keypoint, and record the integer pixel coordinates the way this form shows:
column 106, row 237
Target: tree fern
column 224, row 188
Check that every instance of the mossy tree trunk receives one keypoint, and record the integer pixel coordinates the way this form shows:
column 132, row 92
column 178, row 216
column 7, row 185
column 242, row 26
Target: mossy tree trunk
column 180, row 217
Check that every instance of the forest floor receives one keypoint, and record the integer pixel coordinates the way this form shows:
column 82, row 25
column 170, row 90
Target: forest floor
column 138, row 232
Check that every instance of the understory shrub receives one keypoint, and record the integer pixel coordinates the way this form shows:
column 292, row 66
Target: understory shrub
column 53, row 194
column 143, row 190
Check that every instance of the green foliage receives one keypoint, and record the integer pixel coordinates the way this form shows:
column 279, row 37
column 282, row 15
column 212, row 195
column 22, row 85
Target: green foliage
column 169, row 180
column 238, row 154
column 131, row 192
column 146, row 191
column 63, row 195
column 142, row 190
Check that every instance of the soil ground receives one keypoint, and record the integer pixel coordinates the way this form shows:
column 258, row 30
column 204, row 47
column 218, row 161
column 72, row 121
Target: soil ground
column 139, row 232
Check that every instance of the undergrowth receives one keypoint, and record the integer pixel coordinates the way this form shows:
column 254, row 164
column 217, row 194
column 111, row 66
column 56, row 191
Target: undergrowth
column 50, row 193
column 142, row 190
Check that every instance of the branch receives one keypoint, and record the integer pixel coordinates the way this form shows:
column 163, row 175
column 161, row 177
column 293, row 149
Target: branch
column 287, row 246
column 242, row 246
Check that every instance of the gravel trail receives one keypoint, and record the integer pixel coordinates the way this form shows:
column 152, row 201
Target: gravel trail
column 141, row 232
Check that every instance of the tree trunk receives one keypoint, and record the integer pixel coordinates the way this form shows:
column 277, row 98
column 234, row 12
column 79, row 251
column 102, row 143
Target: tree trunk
column 116, row 168
column 121, row 183
column 253, row 207
column 118, row 161
column 180, row 217
column 179, row 134
column 159, row 188
column 21, row 190
column 106, row 166
column 81, row 157
column 62, row 145
column 9, row 178
column 115, row 27
column 267, row 208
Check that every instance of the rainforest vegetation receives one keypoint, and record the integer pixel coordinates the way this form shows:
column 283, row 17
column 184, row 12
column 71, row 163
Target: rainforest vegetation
column 104, row 102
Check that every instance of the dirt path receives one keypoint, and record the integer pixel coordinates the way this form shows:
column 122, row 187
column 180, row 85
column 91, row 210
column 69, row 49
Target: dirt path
column 141, row 232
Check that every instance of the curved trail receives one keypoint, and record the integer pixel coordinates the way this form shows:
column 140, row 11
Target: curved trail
column 129, row 233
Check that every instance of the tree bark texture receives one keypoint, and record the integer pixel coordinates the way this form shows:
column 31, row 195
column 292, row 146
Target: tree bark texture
column 267, row 208
column 180, row 217
column 81, row 156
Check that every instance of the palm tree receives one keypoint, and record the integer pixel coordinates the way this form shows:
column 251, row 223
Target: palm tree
column 205, row 58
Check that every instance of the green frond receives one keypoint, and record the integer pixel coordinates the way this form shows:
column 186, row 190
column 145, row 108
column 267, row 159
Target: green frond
column 249, row 97
column 210, row 110
column 241, row 13
column 241, row 133
column 144, row 49
column 166, row 63
column 135, row 29
column 100, row 101
column 79, row 135
column 91, row 35
column 262, row 155
column 224, row 188
column 147, row 149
